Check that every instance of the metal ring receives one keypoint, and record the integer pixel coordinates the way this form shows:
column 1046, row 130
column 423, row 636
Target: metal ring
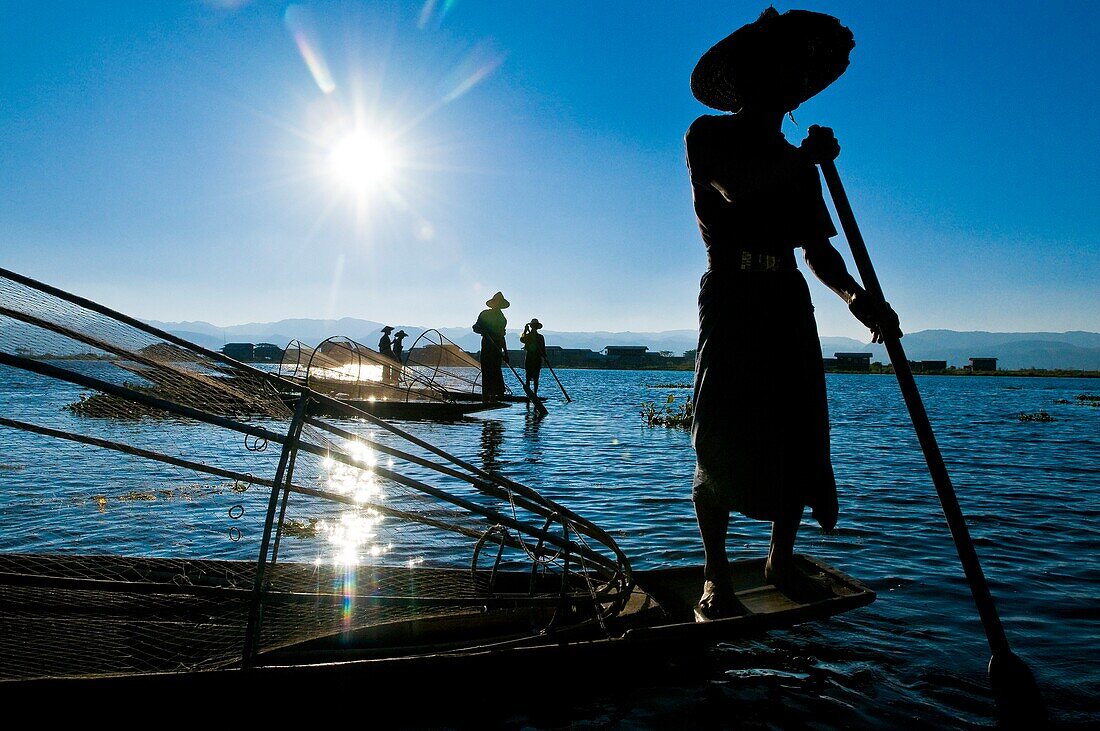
column 258, row 444
column 234, row 534
column 236, row 512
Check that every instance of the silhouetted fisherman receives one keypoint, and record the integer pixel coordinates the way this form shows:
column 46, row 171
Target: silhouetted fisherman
column 398, row 344
column 761, row 425
column 398, row 349
column 534, row 346
column 385, row 347
column 490, row 326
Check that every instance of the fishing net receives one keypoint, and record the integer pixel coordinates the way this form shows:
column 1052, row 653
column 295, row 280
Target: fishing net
column 433, row 369
column 344, row 369
column 166, row 508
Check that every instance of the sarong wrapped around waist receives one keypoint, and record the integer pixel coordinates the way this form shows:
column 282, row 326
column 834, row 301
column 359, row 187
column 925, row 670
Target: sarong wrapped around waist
column 761, row 425
column 492, row 379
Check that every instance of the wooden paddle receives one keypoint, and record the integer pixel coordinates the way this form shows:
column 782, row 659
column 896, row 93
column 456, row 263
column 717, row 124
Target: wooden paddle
column 1014, row 688
column 555, row 375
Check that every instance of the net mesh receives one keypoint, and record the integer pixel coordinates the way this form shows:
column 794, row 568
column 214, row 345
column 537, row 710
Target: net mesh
column 165, row 508
column 434, row 369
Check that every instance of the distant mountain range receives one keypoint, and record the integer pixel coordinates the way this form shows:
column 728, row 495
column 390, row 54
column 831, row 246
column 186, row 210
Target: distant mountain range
column 1071, row 350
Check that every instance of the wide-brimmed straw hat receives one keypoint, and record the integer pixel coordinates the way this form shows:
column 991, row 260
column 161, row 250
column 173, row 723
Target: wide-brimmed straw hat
column 498, row 301
column 387, row 329
column 535, row 324
column 781, row 59
column 400, row 334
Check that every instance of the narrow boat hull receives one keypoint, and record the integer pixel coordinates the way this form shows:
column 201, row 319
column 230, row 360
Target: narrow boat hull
column 458, row 649
column 414, row 410
column 401, row 410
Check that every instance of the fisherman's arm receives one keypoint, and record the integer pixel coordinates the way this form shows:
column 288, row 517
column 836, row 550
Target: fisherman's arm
column 828, row 266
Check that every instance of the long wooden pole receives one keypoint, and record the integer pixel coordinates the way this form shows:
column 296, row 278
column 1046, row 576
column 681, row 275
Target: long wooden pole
column 530, row 396
column 1014, row 686
column 555, row 375
column 255, row 608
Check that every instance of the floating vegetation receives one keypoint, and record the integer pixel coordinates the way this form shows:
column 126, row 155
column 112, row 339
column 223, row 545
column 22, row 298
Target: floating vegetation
column 1039, row 415
column 307, row 528
column 1061, row 401
column 12, row 467
column 679, row 417
column 135, row 495
column 670, row 385
column 104, row 405
column 217, row 395
column 1087, row 399
column 184, row 492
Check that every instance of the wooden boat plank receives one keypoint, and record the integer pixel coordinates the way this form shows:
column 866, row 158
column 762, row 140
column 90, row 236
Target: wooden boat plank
column 821, row 592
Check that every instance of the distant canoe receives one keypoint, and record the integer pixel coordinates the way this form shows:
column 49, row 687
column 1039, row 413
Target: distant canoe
column 403, row 410
column 509, row 398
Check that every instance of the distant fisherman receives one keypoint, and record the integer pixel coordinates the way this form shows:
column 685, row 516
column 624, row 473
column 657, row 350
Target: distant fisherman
column 490, row 326
column 398, row 346
column 535, row 346
column 385, row 347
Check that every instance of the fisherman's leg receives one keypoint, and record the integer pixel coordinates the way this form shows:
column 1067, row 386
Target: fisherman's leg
column 713, row 522
column 781, row 553
column 718, row 599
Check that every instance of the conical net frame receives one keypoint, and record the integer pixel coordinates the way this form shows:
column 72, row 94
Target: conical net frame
column 136, row 379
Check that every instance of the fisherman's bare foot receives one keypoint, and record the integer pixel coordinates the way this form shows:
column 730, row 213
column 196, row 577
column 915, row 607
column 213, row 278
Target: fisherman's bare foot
column 794, row 582
column 718, row 602
column 781, row 574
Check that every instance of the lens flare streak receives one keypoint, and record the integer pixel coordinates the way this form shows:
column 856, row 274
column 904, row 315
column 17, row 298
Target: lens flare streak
column 478, row 64
column 299, row 24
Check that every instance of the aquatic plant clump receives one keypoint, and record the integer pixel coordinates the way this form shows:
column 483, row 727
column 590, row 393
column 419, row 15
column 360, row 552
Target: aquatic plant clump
column 670, row 385
column 674, row 418
column 1087, row 399
column 1037, row 416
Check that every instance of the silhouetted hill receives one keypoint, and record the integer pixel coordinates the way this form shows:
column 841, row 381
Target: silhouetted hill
column 1072, row 350
column 1076, row 350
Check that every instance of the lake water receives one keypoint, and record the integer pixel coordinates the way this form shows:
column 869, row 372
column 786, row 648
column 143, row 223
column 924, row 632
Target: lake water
column 917, row 656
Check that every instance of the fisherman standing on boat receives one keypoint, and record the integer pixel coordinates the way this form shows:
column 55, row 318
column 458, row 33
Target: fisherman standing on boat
column 398, row 350
column 535, row 346
column 385, row 347
column 490, row 326
column 398, row 345
column 761, row 428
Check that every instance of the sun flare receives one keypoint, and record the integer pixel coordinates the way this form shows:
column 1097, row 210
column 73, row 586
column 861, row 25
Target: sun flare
column 362, row 160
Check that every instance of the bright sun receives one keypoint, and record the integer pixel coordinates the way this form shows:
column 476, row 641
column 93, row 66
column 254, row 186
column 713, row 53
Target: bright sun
column 363, row 161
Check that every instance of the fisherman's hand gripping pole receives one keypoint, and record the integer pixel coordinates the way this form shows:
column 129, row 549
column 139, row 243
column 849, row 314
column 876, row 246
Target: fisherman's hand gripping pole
column 1014, row 688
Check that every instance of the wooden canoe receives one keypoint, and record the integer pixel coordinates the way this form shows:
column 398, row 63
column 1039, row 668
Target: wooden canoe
column 459, row 649
column 399, row 409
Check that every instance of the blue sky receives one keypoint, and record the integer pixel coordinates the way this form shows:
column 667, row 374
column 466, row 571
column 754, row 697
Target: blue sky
column 175, row 160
